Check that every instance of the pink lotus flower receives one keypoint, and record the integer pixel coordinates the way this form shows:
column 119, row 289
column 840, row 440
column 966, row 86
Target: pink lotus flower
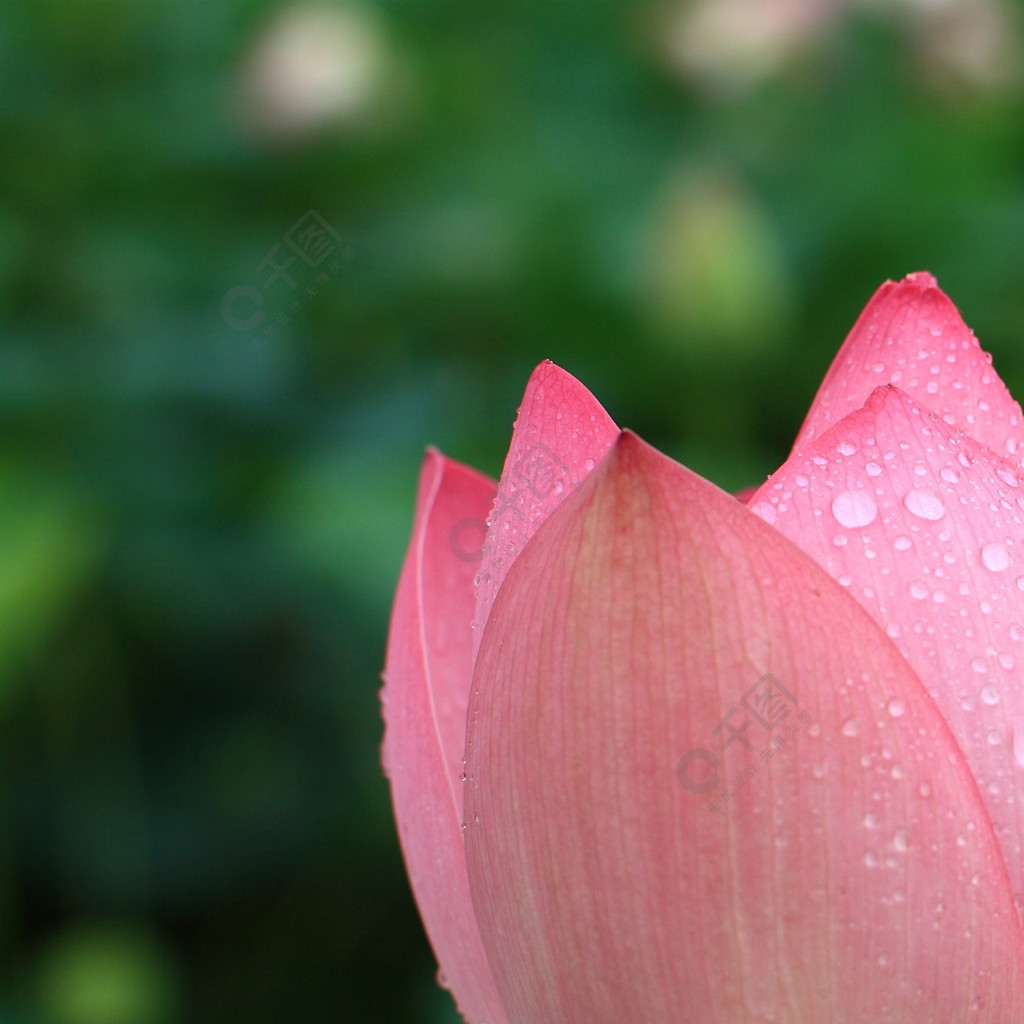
column 659, row 756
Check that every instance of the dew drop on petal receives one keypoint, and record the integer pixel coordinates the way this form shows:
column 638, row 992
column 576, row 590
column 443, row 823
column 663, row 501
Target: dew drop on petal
column 766, row 510
column 924, row 504
column 990, row 694
column 854, row 508
column 851, row 727
column 897, row 707
column 846, row 448
column 902, row 543
column 873, row 469
column 949, row 474
column 995, row 557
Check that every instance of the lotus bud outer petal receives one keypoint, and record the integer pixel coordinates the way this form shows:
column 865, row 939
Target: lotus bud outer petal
column 427, row 679
column 642, row 623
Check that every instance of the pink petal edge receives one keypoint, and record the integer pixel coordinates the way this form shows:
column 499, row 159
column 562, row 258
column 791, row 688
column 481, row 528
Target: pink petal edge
column 426, row 691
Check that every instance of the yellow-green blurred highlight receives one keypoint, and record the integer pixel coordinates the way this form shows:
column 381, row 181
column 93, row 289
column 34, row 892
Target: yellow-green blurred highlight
column 107, row 974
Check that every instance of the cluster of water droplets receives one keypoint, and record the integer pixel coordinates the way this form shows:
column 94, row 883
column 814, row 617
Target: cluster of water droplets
column 915, row 511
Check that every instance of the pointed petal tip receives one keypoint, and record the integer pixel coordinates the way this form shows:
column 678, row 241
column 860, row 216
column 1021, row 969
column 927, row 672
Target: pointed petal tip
column 921, row 279
column 547, row 372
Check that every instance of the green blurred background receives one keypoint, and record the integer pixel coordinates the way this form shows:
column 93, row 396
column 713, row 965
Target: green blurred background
column 214, row 402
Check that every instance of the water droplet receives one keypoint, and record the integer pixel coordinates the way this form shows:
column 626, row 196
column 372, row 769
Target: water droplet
column 924, row 504
column 766, row 511
column 851, row 727
column 1007, row 660
column 979, row 665
column 918, row 590
column 1008, row 477
column 873, row 469
column 995, row 557
column 854, row 508
column 949, row 474
column 899, row 840
column 846, row 448
column 902, row 543
column 1018, row 743
column 897, row 707
column 871, row 820
column 990, row 695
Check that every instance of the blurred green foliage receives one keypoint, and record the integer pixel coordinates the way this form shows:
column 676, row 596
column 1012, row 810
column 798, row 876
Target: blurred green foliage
column 202, row 520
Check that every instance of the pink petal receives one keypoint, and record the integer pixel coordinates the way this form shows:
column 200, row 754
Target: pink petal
column 925, row 527
column 560, row 435
column 910, row 334
column 427, row 679
column 852, row 877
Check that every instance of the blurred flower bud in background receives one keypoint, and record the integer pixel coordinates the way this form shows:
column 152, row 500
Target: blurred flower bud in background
column 316, row 67
column 716, row 275
column 730, row 45
column 962, row 43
